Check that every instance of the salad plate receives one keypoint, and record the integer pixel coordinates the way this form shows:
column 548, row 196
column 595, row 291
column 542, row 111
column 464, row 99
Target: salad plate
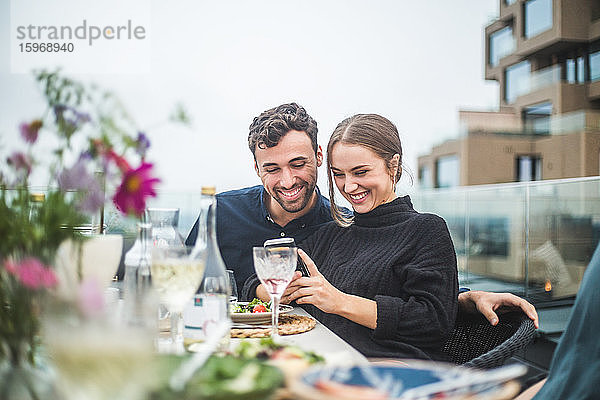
column 418, row 380
column 258, row 317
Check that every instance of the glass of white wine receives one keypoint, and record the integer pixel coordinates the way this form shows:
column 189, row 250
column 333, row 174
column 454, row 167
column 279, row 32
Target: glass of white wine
column 176, row 277
column 275, row 268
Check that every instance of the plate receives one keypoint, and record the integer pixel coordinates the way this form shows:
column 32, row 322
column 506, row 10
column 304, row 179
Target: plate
column 219, row 379
column 418, row 380
column 258, row 318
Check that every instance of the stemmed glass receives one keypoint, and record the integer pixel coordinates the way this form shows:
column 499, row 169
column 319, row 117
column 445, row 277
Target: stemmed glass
column 176, row 277
column 233, row 297
column 275, row 268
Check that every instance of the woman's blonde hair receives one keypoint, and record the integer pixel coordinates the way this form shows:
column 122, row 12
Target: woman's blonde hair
column 377, row 134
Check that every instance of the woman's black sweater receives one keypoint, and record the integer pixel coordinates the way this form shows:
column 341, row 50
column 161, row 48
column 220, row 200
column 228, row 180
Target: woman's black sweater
column 405, row 262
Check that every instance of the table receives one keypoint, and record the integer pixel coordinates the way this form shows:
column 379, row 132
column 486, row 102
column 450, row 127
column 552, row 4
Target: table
column 321, row 341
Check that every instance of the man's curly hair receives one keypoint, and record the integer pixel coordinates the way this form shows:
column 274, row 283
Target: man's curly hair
column 270, row 126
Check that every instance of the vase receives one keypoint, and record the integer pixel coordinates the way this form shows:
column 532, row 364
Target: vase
column 26, row 381
column 164, row 227
column 97, row 259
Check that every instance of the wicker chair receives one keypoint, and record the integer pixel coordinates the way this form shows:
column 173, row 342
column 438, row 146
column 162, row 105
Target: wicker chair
column 477, row 344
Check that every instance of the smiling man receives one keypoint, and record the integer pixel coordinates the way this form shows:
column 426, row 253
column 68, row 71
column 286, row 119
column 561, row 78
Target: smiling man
column 288, row 171
column 283, row 141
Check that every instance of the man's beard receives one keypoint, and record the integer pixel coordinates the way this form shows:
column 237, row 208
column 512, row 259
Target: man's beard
column 300, row 203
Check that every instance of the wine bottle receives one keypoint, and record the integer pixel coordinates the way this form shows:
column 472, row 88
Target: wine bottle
column 210, row 305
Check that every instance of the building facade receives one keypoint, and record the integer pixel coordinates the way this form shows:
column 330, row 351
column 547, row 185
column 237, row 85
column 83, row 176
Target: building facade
column 545, row 55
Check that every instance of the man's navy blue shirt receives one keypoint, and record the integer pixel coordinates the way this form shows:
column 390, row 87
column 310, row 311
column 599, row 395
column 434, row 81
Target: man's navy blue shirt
column 244, row 222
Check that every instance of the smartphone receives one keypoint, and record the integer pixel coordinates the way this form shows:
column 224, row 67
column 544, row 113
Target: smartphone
column 288, row 242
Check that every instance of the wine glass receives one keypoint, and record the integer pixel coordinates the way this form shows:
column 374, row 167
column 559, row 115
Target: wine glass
column 96, row 357
column 275, row 268
column 233, row 297
column 176, row 277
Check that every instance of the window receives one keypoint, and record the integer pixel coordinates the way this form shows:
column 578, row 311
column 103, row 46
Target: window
column 537, row 118
column 425, row 181
column 576, row 70
column 570, row 63
column 529, row 168
column 517, row 80
column 580, row 70
column 509, row 2
column 502, row 44
column 538, row 17
column 595, row 66
column 447, row 171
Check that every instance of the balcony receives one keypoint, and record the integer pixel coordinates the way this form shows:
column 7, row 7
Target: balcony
column 534, row 239
column 520, row 83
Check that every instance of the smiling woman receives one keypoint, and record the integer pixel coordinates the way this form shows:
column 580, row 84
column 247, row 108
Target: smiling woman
column 362, row 177
column 365, row 166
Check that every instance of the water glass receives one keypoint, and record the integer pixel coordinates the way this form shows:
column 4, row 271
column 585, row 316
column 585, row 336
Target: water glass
column 275, row 268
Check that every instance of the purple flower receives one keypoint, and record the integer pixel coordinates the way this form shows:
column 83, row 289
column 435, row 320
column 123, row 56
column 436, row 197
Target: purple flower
column 142, row 144
column 74, row 178
column 81, row 117
column 20, row 161
column 59, row 109
column 93, row 199
column 78, row 178
column 70, row 115
column 69, row 119
column 29, row 132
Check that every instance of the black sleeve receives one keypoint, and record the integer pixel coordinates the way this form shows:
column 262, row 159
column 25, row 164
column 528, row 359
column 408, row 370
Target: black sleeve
column 249, row 290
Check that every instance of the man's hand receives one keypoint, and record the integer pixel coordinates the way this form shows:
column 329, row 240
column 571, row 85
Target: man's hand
column 488, row 303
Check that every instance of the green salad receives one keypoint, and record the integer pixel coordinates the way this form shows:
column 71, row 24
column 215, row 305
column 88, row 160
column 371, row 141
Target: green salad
column 255, row 306
column 222, row 378
column 267, row 349
column 246, row 373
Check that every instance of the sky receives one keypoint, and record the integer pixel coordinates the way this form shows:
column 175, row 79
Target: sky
column 415, row 62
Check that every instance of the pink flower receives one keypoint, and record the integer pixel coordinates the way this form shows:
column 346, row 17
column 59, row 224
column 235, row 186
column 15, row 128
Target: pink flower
column 90, row 297
column 120, row 161
column 32, row 273
column 10, row 267
column 29, row 132
column 20, row 161
column 137, row 184
column 101, row 148
column 48, row 278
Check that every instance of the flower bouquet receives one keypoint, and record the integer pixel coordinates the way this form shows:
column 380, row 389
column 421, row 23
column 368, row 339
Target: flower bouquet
column 97, row 151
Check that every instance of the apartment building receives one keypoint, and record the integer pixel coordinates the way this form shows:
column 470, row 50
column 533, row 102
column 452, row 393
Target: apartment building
column 545, row 55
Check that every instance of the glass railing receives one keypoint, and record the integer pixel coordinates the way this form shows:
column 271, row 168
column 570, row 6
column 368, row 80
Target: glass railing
column 520, row 83
column 532, row 238
column 544, row 77
column 575, row 121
